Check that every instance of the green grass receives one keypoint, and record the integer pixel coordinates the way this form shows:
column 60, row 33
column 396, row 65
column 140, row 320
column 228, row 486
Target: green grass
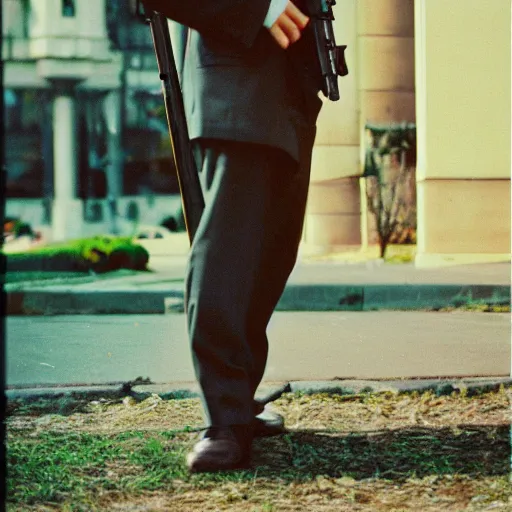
column 18, row 280
column 49, row 278
column 349, row 447
column 53, row 467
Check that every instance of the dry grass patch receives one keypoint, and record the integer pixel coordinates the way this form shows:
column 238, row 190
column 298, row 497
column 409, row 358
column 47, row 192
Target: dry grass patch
column 348, row 413
column 371, row 452
column 395, row 253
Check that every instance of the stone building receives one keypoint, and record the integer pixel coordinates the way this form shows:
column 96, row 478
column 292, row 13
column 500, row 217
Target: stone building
column 83, row 143
column 81, row 89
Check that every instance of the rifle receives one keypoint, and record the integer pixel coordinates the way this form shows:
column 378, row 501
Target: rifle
column 188, row 178
column 330, row 57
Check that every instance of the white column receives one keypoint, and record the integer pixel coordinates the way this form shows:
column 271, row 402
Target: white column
column 112, row 107
column 67, row 215
column 64, row 146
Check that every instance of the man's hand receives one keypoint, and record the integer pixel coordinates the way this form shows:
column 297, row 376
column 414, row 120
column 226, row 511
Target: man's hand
column 288, row 27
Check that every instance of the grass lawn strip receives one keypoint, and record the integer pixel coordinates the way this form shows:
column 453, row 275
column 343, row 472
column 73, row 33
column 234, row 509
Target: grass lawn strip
column 15, row 281
column 365, row 452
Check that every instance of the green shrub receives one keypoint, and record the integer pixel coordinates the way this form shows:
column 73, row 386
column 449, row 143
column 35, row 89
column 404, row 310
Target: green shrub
column 100, row 254
column 57, row 261
column 130, row 256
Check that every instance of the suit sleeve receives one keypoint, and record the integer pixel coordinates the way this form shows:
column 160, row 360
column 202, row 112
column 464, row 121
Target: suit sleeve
column 235, row 21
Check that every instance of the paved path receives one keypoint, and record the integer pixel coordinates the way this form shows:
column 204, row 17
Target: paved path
column 304, row 346
column 171, row 270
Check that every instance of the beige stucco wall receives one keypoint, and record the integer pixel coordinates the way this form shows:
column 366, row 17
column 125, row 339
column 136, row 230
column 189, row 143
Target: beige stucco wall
column 337, row 127
column 464, row 90
column 463, row 128
column 465, row 216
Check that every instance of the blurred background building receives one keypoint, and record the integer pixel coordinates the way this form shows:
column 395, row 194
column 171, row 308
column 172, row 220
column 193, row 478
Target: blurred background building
column 87, row 147
column 88, row 150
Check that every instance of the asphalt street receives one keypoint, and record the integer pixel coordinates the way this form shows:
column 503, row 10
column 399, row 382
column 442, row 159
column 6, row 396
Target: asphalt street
column 52, row 350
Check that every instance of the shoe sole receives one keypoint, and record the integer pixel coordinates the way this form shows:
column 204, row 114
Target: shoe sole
column 212, row 468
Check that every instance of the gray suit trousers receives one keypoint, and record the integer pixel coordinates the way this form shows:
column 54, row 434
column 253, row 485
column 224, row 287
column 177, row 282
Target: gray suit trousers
column 243, row 252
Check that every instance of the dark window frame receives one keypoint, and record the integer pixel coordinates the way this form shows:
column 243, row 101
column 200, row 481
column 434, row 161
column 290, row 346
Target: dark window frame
column 68, row 9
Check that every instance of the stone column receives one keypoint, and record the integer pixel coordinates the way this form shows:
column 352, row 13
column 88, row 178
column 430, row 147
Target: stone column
column 463, row 131
column 386, row 80
column 333, row 212
column 47, row 144
column 67, row 216
column 113, row 113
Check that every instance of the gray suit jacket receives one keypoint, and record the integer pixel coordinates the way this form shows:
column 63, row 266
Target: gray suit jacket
column 237, row 83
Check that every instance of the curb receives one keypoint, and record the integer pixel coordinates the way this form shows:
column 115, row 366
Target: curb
column 389, row 297
column 310, row 297
column 439, row 386
column 36, row 302
column 67, row 399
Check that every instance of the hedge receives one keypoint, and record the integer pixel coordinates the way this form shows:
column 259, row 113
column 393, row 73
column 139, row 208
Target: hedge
column 99, row 254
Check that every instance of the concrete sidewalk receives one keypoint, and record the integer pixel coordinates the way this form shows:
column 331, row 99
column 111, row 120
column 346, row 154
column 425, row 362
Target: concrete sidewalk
column 313, row 286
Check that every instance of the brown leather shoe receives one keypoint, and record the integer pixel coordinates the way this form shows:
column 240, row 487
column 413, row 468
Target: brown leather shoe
column 222, row 449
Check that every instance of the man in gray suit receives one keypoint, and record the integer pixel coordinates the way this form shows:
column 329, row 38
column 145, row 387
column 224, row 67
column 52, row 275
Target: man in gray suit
column 250, row 87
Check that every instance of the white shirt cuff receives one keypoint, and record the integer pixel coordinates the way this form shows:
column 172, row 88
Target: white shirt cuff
column 275, row 10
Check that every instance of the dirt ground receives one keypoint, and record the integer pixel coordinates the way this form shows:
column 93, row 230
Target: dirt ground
column 370, row 452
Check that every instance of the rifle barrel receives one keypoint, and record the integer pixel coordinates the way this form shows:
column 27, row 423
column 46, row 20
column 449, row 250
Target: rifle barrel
column 190, row 187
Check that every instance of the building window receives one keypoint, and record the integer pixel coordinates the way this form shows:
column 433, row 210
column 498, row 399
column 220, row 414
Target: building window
column 68, row 8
